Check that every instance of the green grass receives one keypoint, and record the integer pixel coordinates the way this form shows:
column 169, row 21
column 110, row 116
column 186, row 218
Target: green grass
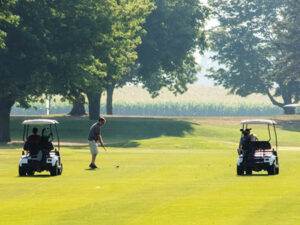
column 171, row 172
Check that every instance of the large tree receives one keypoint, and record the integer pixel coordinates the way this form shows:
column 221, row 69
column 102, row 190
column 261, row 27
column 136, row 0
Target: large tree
column 127, row 35
column 115, row 52
column 77, row 28
column 174, row 31
column 22, row 60
column 243, row 43
column 49, row 51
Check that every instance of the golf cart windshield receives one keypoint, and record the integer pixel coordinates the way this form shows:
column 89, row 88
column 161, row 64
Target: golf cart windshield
column 46, row 128
column 269, row 123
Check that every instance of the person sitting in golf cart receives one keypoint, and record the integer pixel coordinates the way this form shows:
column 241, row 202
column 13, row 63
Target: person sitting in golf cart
column 245, row 141
column 33, row 142
column 34, row 138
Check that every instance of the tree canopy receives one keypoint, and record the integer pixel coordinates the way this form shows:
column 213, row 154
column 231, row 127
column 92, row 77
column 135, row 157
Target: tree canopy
column 6, row 17
column 288, row 43
column 174, row 32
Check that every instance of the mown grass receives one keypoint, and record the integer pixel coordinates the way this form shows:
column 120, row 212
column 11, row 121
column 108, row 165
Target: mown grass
column 176, row 173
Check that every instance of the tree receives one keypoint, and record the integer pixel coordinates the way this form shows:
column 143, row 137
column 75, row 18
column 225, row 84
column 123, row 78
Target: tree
column 77, row 28
column 243, row 46
column 174, row 32
column 49, row 51
column 128, row 31
column 22, row 60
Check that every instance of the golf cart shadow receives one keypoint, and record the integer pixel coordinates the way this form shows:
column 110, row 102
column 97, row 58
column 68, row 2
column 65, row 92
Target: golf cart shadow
column 36, row 176
column 255, row 175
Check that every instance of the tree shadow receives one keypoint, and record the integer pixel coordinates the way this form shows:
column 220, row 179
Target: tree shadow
column 290, row 125
column 120, row 132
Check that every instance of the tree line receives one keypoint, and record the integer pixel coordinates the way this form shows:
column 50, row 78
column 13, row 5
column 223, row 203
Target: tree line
column 83, row 48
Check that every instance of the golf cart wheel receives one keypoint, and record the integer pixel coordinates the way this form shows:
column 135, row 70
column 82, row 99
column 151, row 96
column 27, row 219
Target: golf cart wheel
column 272, row 170
column 248, row 171
column 60, row 169
column 277, row 170
column 239, row 170
column 54, row 170
column 22, row 172
column 30, row 172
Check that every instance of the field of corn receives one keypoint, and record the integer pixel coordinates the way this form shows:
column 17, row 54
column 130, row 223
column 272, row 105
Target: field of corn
column 197, row 101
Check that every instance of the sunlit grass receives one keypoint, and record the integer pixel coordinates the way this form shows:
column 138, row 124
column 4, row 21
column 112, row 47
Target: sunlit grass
column 183, row 177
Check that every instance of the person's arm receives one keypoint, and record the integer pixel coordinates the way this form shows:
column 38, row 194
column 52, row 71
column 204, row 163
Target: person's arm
column 100, row 140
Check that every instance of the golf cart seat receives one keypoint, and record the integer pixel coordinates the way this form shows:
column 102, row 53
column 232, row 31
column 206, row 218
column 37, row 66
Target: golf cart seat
column 263, row 145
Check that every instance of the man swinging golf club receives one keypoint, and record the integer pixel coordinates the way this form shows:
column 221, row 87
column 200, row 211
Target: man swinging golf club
column 94, row 136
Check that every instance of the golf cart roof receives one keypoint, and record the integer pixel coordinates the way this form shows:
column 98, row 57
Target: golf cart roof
column 39, row 122
column 258, row 121
column 292, row 105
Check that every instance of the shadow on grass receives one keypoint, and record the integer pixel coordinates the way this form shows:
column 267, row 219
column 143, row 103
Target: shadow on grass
column 290, row 125
column 37, row 176
column 254, row 175
column 91, row 169
column 120, row 132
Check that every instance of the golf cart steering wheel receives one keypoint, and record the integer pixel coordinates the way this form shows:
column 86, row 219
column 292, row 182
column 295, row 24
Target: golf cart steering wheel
column 50, row 136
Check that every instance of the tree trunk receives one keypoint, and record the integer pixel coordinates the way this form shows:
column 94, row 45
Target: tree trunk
column 78, row 107
column 94, row 105
column 109, row 100
column 5, row 108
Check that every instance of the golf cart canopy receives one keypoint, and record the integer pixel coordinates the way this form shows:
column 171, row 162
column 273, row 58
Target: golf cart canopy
column 39, row 122
column 292, row 106
column 258, row 121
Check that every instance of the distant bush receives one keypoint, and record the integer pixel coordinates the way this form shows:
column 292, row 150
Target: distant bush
column 166, row 109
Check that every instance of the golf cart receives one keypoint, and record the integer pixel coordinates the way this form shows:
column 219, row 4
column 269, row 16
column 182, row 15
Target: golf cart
column 255, row 155
column 292, row 108
column 39, row 154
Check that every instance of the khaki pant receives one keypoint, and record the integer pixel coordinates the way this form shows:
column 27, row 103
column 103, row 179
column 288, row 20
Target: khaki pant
column 93, row 147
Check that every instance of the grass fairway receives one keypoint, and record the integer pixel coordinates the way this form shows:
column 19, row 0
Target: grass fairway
column 171, row 172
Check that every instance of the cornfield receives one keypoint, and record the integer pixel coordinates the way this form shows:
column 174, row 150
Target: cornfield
column 197, row 101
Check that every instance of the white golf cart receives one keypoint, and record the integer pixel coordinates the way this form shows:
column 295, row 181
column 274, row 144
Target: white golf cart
column 293, row 108
column 39, row 154
column 256, row 155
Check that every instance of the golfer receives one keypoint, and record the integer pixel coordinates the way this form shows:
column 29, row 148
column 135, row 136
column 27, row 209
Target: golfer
column 94, row 136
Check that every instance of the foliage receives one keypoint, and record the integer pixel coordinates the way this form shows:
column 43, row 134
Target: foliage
column 6, row 17
column 288, row 45
column 127, row 31
column 22, row 63
column 243, row 46
column 174, row 32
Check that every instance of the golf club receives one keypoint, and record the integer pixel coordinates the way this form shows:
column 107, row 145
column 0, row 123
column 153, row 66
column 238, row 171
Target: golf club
column 115, row 165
